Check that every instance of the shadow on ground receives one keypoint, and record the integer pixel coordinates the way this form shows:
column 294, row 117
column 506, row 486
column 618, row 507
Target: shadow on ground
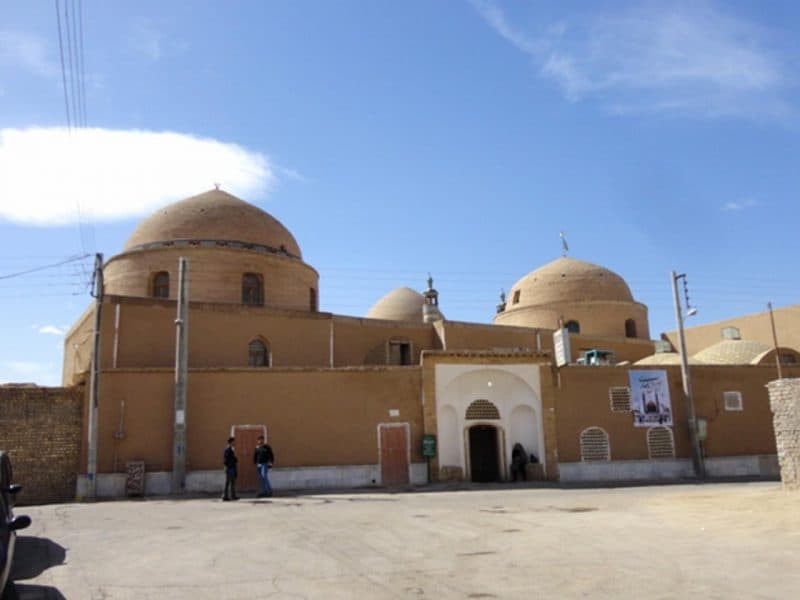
column 33, row 556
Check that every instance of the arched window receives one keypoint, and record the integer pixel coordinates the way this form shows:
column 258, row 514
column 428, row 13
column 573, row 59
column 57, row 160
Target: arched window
column 160, row 285
column 630, row 328
column 312, row 299
column 258, row 354
column 573, row 326
column 252, row 290
column 594, row 445
column 660, row 443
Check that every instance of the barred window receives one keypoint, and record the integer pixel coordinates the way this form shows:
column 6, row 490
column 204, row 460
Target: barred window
column 660, row 442
column 161, row 285
column 252, row 289
column 594, row 445
column 258, row 354
column 482, row 409
column 620, row 398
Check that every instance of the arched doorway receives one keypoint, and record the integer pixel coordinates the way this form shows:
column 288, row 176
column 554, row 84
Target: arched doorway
column 483, row 458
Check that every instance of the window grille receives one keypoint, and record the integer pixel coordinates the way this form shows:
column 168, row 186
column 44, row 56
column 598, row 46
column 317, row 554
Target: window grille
column 620, row 398
column 161, row 285
column 733, row 400
column 257, row 354
column 482, row 409
column 594, row 445
column 252, row 290
column 660, row 443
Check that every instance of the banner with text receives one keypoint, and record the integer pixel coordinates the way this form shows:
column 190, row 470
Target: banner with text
column 650, row 398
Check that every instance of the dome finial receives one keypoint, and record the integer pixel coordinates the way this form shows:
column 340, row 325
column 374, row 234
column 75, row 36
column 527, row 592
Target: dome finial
column 502, row 304
column 564, row 246
column 216, row 185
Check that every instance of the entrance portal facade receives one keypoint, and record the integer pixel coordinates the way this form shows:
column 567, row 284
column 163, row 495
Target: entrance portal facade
column 482, row 411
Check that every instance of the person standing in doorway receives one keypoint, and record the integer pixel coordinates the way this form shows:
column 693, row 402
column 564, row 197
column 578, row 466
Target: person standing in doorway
column 229, row 460
column 263, row 457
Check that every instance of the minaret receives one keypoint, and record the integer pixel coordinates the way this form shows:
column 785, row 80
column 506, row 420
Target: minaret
column 430, row 310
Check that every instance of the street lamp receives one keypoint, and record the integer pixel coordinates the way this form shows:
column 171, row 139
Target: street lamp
column 697, row 457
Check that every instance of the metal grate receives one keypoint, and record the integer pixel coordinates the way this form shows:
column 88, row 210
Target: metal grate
column 594, row 445
column 733, row 400
column 660, row 443
column 620, row 398
column 482, row 409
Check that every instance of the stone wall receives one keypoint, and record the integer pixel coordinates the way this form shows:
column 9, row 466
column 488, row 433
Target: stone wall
column 784, row 395
column 40, row 429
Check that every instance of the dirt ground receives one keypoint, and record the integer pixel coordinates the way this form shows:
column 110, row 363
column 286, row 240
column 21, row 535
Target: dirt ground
column 707, row 541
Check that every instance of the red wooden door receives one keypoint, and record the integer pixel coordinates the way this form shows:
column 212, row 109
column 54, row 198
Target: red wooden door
column 394, row 454
column 246, row 442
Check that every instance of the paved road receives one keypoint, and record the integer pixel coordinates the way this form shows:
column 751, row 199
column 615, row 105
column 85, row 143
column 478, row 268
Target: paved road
column 711, row 541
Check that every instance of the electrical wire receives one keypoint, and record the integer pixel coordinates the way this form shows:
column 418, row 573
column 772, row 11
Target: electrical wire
column 42, row 268
column 63, row 68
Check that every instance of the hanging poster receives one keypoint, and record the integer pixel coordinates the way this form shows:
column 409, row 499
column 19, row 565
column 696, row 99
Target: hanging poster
column 650, row 398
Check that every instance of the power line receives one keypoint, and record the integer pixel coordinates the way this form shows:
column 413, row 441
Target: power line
column 42, row 268
column 63, row 69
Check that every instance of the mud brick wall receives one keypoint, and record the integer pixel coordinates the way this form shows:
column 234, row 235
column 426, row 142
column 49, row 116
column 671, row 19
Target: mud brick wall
column 784, row 397
column 40, row 429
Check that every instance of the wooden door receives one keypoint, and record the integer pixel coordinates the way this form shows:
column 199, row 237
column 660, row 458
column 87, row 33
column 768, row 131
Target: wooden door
column 394, row 454
column 246, row 442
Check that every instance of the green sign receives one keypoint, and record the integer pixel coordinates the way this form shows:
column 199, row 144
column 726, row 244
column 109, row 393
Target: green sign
column 428, row 445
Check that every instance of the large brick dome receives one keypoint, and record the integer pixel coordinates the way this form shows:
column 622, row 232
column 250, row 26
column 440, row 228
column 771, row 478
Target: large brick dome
column 214, row 216
column 587, row 297
column 568, row 279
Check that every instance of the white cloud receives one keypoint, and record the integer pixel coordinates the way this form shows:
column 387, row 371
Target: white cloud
column 27, row 51
column 51, row 329
column 737, row 206
column 18, row 371
column 688, row 58
column 48, row 174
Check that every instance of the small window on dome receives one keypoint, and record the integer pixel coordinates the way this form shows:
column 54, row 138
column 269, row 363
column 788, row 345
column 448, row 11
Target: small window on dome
column 515, row 300
column 160, row 286
column 573, row 326
column 252, row 289
column 630, row 328
column 312, row 299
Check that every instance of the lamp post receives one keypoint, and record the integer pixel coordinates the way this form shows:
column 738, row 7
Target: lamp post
column 697, row 457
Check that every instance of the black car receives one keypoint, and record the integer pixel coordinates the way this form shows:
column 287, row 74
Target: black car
column 9, row 524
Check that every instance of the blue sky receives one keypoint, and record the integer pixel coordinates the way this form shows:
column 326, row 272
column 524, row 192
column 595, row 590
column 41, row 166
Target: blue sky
column 398, row 138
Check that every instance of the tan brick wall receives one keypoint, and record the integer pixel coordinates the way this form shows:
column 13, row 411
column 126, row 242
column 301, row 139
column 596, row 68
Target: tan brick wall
column 40, row 429
column 784, row 397
column 314, row 417
column 582, row 401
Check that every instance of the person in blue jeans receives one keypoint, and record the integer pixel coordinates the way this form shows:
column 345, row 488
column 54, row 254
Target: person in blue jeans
column 263, row 457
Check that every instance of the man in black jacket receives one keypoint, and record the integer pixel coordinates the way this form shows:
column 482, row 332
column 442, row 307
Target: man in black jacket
column 229, row 460
column 263, row 457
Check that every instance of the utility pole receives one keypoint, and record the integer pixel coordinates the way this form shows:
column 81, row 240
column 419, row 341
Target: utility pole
column 94, row 379
column 181, row 368
column 775, row 341
column 697, row 457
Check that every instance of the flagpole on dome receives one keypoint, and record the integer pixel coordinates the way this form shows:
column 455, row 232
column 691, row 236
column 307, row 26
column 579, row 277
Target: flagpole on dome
column 564, row 245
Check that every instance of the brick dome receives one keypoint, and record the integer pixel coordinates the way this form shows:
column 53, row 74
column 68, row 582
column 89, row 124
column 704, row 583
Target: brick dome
column 402, row 304
column 214, row 216
column 570, row 280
